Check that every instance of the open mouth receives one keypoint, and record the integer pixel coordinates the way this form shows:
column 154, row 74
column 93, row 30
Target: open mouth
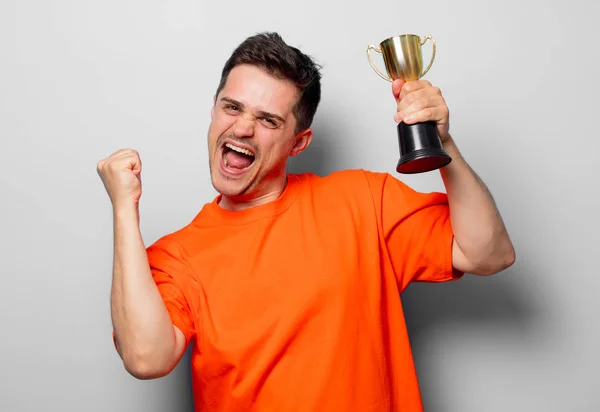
column 236, row 159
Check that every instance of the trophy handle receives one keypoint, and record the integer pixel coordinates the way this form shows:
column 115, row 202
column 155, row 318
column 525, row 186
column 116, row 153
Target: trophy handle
column 428, row 37
column 383, row 76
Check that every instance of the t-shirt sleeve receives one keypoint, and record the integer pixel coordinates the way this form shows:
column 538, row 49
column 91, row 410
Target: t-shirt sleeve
column 416, row 229
column 175, row 283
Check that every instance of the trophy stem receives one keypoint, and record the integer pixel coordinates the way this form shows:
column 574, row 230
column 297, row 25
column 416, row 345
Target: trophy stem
column 420, row 148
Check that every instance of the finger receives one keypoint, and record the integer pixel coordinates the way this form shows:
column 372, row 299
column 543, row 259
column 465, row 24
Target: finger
column 126, row 153
column 396, row 88
column 120, row 153
column 134, row 162
column 413, row 86
column 128, row 159
column 412, row 98
column 435, row 114
column 136, row 167
column 425, row 101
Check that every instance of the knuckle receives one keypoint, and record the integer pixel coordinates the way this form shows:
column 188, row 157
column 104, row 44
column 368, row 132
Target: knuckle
column 128, row 152
column 441, row 104
column 419, row 104
column 112, row 166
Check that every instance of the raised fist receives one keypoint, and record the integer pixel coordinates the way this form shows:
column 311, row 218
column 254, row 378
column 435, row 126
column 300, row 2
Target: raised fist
column 121, row 175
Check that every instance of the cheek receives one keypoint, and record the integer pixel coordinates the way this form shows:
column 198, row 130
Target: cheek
column 218, row 126
column 221, row 122
column 277, row 149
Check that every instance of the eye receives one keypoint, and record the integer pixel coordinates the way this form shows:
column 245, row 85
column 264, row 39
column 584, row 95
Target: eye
column 270, row 123
column 231, row 108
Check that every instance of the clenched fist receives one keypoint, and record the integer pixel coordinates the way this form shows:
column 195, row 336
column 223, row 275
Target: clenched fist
column 121, row 175
column 420, row 101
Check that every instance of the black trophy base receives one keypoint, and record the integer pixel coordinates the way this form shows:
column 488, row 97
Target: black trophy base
column 420, row 148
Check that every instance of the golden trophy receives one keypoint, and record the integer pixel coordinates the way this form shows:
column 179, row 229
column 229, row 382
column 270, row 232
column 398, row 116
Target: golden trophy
column 420, row 147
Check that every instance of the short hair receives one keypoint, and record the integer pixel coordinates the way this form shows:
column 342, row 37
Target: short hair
column 269, row 52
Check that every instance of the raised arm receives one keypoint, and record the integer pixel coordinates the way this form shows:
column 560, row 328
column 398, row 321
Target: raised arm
column 481, row 244
column 146, row 339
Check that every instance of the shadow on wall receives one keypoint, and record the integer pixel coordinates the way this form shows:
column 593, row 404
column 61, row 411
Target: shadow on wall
column 319, row 156
column 477, row 304
column 183, row 383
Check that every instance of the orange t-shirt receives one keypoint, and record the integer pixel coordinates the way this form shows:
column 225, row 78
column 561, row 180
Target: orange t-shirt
column 295, row 305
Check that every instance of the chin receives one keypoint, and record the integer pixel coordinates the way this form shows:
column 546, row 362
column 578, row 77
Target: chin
column 230, row 187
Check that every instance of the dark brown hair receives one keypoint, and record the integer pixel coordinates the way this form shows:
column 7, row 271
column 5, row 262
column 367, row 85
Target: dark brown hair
column 269, row 52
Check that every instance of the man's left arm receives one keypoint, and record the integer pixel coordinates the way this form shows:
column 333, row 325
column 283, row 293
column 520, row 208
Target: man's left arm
column 481, row 243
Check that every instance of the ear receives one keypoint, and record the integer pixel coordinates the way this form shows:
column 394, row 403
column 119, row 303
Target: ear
column 303, row 139
column 212, row 109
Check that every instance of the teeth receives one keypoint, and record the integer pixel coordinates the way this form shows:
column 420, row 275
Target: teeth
column 239, row 149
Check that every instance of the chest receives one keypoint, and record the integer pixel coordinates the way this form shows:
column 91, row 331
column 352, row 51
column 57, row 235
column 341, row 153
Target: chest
column 282, row 262
column 272, row 274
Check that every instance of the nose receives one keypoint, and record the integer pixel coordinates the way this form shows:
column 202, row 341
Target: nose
column 244, row 126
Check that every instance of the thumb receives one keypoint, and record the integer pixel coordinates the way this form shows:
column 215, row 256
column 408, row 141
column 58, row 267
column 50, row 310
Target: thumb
column 135, row 165
column 396, row 88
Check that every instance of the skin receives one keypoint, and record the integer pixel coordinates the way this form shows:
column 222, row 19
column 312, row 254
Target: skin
column 481, row 243
column 149, row 344
column 239, row 115
column 146, row 339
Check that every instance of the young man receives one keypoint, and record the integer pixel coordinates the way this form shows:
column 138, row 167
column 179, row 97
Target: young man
column 288, row 285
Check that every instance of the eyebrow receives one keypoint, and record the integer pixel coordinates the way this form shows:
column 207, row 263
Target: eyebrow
column 261, row 113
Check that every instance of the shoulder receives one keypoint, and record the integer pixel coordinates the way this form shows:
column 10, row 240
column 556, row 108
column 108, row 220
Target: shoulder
column 350, row 180
column 382, row 188
column 176, row 243
column 357, row 188
column 170, row 244
column 356, row 182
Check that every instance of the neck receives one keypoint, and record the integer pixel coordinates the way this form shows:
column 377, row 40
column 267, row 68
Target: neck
column 237, row 203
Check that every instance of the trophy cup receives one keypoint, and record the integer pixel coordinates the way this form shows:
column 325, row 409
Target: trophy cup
column 420, row 147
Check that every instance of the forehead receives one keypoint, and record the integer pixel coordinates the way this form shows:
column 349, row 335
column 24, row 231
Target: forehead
column 258, row 90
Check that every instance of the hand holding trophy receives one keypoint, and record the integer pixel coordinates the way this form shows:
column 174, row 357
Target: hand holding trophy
column 420, row 147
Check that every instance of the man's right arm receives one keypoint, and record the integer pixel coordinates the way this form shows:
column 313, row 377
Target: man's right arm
column 146, row 339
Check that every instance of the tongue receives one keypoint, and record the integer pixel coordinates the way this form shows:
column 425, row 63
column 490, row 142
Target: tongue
column 238, row 160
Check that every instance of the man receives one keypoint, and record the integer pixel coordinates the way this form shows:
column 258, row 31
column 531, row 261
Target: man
column 288, row 285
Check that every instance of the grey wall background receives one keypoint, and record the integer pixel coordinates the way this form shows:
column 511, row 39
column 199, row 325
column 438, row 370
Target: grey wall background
column 81, row 79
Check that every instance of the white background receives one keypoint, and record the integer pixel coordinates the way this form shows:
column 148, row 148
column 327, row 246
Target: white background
column 81, row 79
